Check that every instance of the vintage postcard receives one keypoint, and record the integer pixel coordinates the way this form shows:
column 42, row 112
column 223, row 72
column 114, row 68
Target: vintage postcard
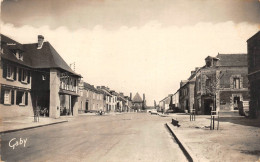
column 130, row 80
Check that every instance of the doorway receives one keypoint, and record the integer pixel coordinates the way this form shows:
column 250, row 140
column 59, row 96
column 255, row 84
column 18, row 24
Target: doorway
column 208, row 105
column 86, row 106
column 236, row 102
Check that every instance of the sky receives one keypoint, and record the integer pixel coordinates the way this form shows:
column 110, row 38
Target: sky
column 144, row 46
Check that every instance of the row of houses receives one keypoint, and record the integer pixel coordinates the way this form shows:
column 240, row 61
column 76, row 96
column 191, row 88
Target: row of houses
column 222, row 83
column 35, row 79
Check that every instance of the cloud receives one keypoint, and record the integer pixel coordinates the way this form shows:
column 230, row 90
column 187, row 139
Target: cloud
column 112, row 14
column 151, row 59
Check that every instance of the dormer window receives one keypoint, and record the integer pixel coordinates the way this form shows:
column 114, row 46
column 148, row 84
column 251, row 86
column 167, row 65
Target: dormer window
column 18, row 55
column 208, row 63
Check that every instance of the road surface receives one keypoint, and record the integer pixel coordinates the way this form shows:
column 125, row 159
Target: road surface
column 126, row 137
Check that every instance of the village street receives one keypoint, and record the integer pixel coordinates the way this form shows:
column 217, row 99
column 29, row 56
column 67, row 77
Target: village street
column 125, row 137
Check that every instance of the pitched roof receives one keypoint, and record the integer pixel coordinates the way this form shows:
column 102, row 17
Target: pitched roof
column 232, row 59
column 106, row 92
column 91, row 87
column 256, row 35
column 8, row 54
column 137, row 98
column 46, row 57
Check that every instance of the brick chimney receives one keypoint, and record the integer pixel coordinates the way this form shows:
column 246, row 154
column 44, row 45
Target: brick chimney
column 40, row 41
column 130, row 96
column 143, row 97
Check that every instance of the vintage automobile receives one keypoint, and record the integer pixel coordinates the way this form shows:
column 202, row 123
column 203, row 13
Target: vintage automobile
column 153, row 111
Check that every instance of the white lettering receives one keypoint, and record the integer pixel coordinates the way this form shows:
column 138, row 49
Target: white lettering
column 16, row 142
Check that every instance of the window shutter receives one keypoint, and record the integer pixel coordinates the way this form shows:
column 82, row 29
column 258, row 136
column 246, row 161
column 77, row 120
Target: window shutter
column 26, row 98
column 15, row 73
column 4, row 70
column 2, row 96
column 12, row 97
column 20, row 74
column 28, row 77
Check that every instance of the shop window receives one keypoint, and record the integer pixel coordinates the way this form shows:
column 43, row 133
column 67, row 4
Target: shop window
column 21, row 98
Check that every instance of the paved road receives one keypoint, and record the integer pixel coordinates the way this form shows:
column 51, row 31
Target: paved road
column 127, row 137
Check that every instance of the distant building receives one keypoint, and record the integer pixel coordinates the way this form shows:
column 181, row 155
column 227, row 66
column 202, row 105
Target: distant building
column 91, row 99
column 186, row 93
column 253, row 49
column 138, row 103
column 165, row 104
column 34, row 76
column 175, row 99
column 221, row 82
column 108, row 98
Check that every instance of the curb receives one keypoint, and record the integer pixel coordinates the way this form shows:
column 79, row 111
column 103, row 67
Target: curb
column 20, row 129
column 187, row 152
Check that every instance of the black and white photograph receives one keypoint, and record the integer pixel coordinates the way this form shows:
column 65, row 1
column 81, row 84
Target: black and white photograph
column 130, row 81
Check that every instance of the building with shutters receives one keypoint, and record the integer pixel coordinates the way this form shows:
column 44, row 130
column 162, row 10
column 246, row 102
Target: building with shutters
column 221, row 84
column 91, row 99
column 35, row 77
column 15, row 79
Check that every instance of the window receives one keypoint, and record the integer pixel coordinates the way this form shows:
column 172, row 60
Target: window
column 24, row 75
column 7, row 96
column 10, row 72
column 18, row 55
column 208, row 81
column 236, row 83
column 21, row 98
column 208, row 63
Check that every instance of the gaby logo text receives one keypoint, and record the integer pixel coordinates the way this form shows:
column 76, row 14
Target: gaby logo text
column 13, row 143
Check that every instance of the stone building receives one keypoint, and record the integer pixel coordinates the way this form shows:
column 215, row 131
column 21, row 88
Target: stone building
column 253, row 49
column 186, row 93
column 36, row 77
column 175, row 99
column 138, row 103
column 108, row 99
column 222, row 83
column 165, row 103
column 91, row 99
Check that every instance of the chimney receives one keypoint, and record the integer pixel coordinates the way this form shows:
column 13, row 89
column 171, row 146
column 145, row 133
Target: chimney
column 143, row 97
column 130, row 96
column 40, row 41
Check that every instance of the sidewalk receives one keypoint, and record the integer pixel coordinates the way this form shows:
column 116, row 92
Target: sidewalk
column 238, row 138
column 24, row 122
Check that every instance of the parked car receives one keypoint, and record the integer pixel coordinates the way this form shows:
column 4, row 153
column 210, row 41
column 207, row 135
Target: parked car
column 153, row 111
